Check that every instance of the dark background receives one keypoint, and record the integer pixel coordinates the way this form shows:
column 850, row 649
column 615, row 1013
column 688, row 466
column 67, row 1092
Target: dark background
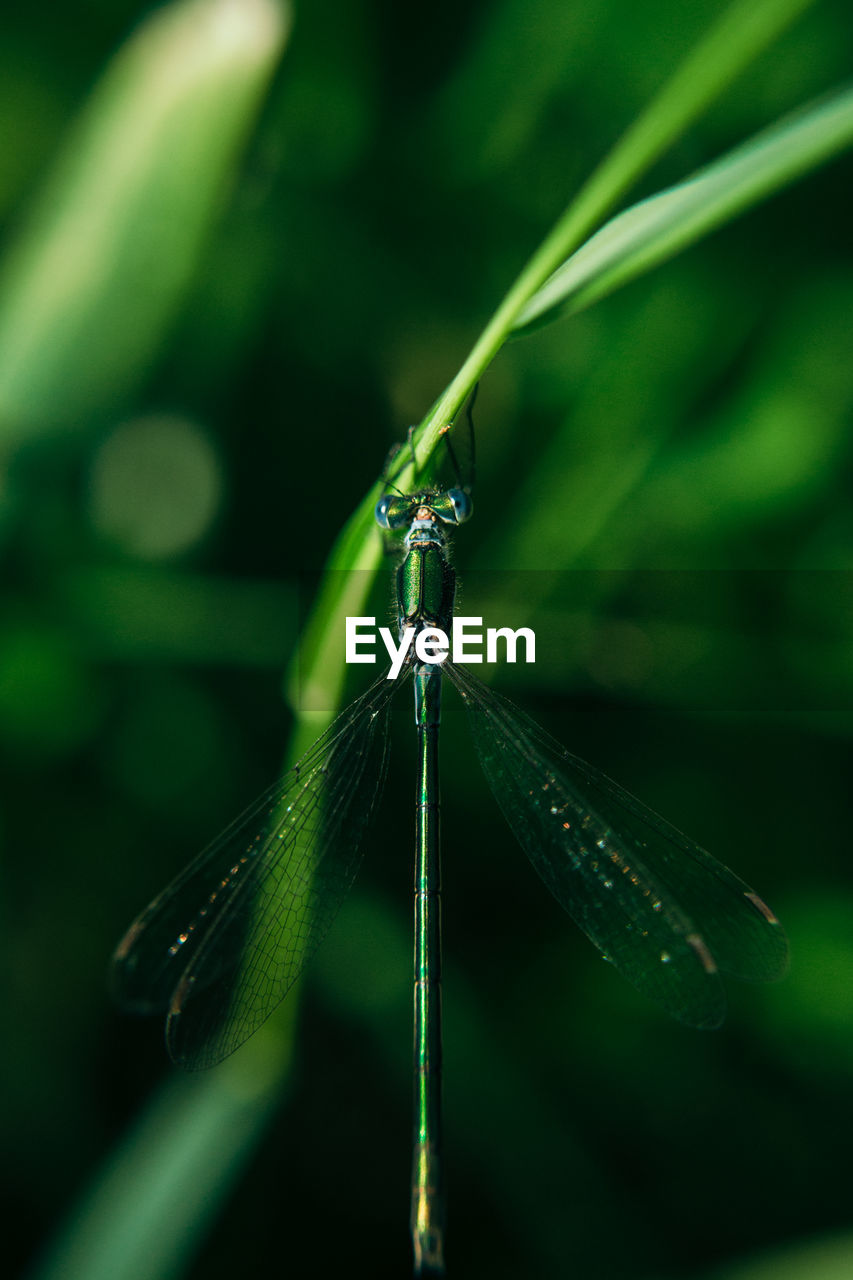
column 663, row 491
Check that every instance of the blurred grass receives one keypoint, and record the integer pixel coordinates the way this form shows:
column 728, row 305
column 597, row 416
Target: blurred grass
column 233, row 289
column 94, row 278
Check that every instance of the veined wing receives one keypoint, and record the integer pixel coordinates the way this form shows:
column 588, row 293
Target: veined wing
column 223, row 943
column 666, row 913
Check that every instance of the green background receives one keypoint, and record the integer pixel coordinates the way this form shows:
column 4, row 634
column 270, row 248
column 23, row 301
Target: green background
column 663, row 492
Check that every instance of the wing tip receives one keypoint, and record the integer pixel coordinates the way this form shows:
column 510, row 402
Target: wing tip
column 761, row 907
column 697, row 943
column 122, row 950
column 122, row 975
column 782, row 962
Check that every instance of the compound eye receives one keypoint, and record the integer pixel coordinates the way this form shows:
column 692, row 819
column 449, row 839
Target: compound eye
column 381, row 511
column 393, row 511
column 461, row 503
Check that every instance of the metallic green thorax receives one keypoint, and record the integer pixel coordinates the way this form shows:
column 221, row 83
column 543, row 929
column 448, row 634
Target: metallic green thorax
column 426, row 585
column 425, row 581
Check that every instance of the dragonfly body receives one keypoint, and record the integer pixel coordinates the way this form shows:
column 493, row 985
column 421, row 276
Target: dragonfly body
column 426, row 588
column 222, row 945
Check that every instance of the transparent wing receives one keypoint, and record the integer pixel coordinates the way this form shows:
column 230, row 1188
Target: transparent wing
column 666, row 913
column 223, row 943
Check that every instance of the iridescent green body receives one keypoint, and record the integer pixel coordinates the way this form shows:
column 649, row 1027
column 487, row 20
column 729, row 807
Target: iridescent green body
column 427, row 1212
column 426, row 585
column 425, row 588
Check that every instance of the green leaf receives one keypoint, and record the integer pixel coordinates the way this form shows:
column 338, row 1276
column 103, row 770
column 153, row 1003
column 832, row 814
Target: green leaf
column 733, row 42
column 100, row 267
column 656, row 229
column 144, row 1214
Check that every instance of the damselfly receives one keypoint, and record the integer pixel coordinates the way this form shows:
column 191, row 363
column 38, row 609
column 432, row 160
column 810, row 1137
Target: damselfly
column 221, row 946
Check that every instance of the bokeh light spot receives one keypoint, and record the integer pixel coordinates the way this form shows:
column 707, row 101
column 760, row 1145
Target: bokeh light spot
column 156, row 486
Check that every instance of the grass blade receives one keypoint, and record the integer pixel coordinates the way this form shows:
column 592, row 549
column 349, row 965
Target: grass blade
column 656, row 229
column 100, row 266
